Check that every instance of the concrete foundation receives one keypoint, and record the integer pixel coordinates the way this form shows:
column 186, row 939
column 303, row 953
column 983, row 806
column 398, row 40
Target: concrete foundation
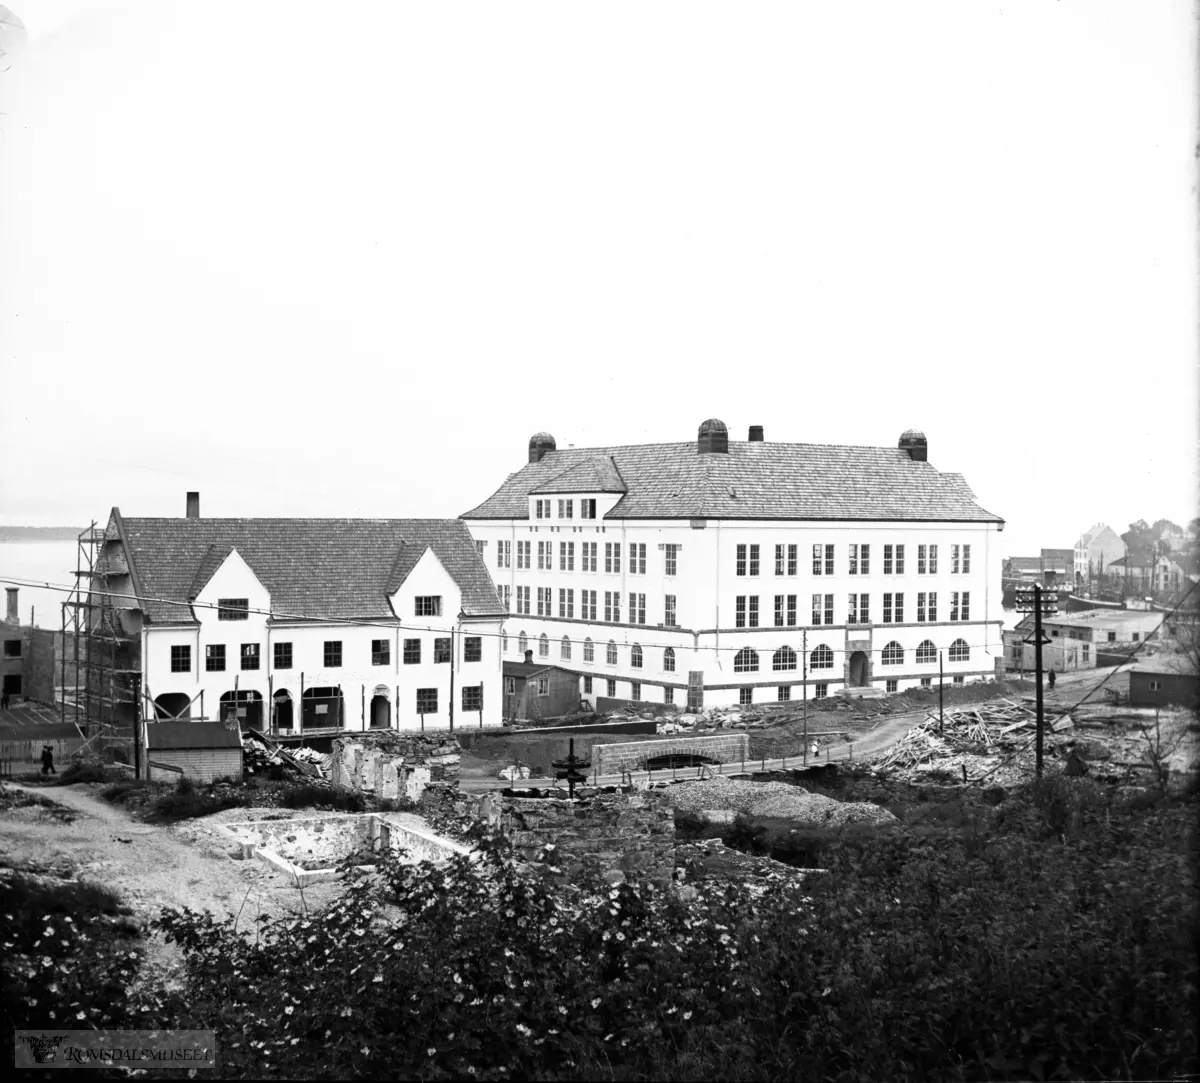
column 393, row 765
column 308, row 850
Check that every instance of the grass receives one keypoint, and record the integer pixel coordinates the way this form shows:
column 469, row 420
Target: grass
column 307, row 795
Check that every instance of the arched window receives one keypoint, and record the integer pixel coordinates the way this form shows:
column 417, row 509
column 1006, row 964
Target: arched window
column 635, row 656
column 926, row 652
column 522, row 645
column 589, row 650
column 893, row 654
column 745, row 661
column 669, row 660
column 821, row 658
column 544, row 646
column 959, row 651
column 610, row 655
column 564, row 650
column 784, row 658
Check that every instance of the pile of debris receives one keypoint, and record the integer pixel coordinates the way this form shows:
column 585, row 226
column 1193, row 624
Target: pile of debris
column 985, row 730
column 774, row 799
column 260, row 754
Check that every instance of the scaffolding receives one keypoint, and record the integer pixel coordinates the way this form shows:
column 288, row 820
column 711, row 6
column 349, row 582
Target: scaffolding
column 107, row 658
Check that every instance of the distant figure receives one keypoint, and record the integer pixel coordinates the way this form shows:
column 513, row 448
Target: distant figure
column 1052, row 680
column 48, row 760
column 816, row 749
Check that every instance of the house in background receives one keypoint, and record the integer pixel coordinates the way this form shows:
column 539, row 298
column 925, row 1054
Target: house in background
column 28, row 669
column 1078, row 640
column 1094, row 551
column 537, row 690
column 1167, row 680
column 202, row 751
column 305, row 626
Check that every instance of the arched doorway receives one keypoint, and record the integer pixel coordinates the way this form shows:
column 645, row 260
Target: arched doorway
column 246, row 707
column 282, row 717
column 858, row 669
column 381, row 712
column 321, row 708
column 173, row 705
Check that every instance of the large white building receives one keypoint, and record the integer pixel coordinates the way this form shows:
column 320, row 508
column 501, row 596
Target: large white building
column 304, row 625
column 718, row 571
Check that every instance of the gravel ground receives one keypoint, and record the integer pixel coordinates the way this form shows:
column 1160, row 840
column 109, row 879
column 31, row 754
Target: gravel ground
column 772, row 799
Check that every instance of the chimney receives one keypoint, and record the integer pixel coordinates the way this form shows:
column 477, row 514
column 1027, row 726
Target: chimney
column 913, row 441
column 11, row 616
column 756, row 434
column 528, row 654
column 713, row 437
column 539, row 444
column 193, row 505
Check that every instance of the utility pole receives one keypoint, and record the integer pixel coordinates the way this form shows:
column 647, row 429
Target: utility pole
column 1027, row 602
column 941, row 697
column 804, row 688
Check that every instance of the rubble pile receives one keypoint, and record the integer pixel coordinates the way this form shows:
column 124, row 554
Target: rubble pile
column 776, row 799
column 260, row 754
column 987, row 729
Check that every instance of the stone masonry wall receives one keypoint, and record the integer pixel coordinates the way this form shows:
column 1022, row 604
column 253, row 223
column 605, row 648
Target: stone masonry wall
column 392, row 765
column 613, row 759
column 630, row 834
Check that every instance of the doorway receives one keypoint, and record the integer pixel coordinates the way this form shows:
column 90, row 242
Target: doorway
column 858, row 669
column 282, row 705
column 381, row 713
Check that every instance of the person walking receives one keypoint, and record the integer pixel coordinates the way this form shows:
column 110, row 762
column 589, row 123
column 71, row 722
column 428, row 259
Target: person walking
column 1052, row 680
column 816, row 749
column 48, row 760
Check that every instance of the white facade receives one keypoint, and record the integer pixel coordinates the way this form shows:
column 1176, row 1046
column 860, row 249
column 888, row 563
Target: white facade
column 1095, row 550
column 707, row 587
column 266, row 655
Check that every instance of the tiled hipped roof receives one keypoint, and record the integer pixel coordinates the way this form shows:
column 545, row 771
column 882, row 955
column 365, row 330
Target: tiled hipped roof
column 753, row 480
column 317, row 568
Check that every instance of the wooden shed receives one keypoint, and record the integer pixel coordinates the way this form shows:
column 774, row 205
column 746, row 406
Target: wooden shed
column 1167, row 681
column 201, row 750
column 539, row 691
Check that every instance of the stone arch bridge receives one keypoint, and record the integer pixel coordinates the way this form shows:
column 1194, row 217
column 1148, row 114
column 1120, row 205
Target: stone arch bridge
column 637, row 755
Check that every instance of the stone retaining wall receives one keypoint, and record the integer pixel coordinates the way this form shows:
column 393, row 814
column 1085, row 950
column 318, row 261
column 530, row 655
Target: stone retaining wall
column 613, row 759
column 391, row 765
column 630, row 834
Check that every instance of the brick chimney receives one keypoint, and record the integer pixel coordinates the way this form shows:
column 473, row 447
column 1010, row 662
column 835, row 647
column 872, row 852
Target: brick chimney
column 756, row 434
column 193, row 505
column 529, row 658
column 11, row 615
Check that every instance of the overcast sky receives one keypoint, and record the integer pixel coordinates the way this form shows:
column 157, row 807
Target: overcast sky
column 343, row 259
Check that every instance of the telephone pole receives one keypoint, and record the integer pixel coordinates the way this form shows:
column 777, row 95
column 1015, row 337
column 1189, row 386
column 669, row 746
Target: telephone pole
column 1032, row 601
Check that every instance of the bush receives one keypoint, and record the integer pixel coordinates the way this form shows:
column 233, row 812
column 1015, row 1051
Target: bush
column 187, row 802
column 83, row 772
column 310, row 795
column 126, row 791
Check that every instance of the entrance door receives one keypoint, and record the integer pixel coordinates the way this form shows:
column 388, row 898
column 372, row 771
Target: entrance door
column 381, row 713
column 12, row 684
column 858, row 669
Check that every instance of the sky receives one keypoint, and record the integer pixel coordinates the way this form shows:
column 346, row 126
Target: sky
column 343, row 260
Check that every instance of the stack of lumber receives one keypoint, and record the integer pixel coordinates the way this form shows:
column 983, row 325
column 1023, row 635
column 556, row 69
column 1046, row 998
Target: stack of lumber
column 962, row 730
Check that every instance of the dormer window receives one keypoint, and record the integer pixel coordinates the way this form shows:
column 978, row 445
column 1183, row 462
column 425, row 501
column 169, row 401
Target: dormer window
column 587, row 508
column 429, row 605
column 566, row 509
column 233, row 609
column 542, row 509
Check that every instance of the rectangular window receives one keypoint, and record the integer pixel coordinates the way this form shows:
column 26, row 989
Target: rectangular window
column 887, row 559
column 504, row 597
column 933, row 560
column 510, row 686
column 545, row 556
column 381, row 652
column 429, row 605
column 669, row 611
column 566, row 603
column 966, row 559
column 545, row 605
column 754, row 560
column 333, row 653
column 966, row 605
column 752, row 611
column 793, row 559
column 635, row 690
column 920, row 605
column 612, row 557
column 523, row 554
column 784, row 693
column 181, row 658
column 857, row 612
column 922, row 559
column 898, row 608
column 612, row 606
column 543, row 509
column 740, row 561
column 214, row 658
column 472, row 697
column 503, row 554
column 854, row 558
column 587, row 508
column 472, row 648
column 587, row 605
column 523, row 600
column 1155, row 686
column 822, row 560
column 821, row 690
column 954, row 560
column 1136, row 636
column 739, row 611
column 1112, row 637
column 779, row 560
column 566, row 509
column 233, row 609
column 779, row 606
column 671, row 566
column 637, row 558
column 250, row 656
column 954, row 605
column 588, row 563
column 412, row 652
column 427, row 701
column 960, row 680
column 441, row 650
column 12, row 648
column 864, row 560
column 791, row 610
column 933, row 605
column 1086, row 651
column 480, row 547
column 587, row 681
column 892, row 685
column 899, row 559
column 887, row 607
column 566, row 556
column 283, row 656
column 637, row 609
column 668, row 695
column 610, row 687
column 745, row 696
column 926, row 682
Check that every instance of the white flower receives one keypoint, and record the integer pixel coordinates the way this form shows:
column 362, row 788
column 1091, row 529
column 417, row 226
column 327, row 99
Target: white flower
column 523, row 1030
column 431, row 1051
column 596, row 1002
column 687, row 1015
column 288, row 1010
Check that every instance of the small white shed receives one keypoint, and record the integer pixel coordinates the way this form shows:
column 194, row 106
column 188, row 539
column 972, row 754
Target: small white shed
column 201, row 750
